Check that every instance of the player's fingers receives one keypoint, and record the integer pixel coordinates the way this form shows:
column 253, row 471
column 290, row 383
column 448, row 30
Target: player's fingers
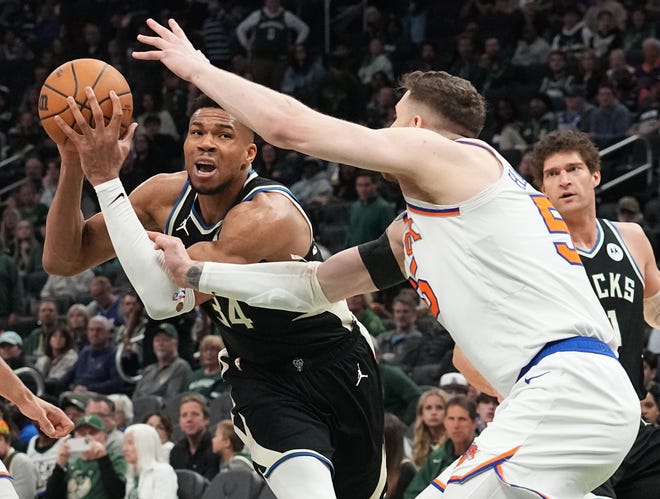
column 178, row 32
column 77, row 114
column 97, row 112
column 152, row 55
column 71, row 134
column 154, row 41
column 160, row 30
column 117, row 113
column 130, row 132
column 46, row 426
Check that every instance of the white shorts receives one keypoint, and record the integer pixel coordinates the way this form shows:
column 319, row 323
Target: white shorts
column 6, row 488
column 562, row 431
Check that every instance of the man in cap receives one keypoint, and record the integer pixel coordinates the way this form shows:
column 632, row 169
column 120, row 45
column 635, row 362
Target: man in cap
column 168, row 375
column 454, row 384
column 91, row 474
column 11, row 349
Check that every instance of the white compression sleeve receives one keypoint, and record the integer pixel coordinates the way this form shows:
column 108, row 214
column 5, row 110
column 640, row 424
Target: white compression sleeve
column 141, row 262
column 292, row 286
column 652, row 310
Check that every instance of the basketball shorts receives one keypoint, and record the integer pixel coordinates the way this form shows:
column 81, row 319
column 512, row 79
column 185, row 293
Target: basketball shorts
column 329, row 407
column 563, row 430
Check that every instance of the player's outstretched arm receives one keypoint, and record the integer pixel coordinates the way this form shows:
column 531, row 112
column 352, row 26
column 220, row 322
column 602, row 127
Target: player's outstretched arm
column 295, row 285
column 102, row 152
column 289, row 124
column 52, row 421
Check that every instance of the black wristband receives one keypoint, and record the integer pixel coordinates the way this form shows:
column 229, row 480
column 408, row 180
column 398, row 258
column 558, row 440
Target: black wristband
column 381, row 263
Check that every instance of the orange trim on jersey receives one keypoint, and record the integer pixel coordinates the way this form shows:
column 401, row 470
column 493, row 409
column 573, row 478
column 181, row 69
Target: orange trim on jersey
column 494, row 462
column 444, row 212
column 5, row 474
column 438, row 484
column 500, row 474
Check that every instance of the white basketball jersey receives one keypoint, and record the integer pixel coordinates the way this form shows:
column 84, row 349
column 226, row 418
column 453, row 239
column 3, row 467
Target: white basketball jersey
column 44, row 462
column 501, row 274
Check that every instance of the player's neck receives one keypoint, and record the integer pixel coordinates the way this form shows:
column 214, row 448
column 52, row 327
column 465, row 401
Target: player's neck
column 583, row 229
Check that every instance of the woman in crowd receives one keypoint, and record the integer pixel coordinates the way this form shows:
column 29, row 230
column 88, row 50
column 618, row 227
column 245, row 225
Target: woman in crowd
column 651, row 405
column 77, row 318
column 148, row 475
column 429, row 427
column 60, row 354
column 163, row 426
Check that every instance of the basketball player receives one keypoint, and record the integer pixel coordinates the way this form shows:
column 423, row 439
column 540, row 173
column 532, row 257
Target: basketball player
column 491, row 260
column 308, row 424
column 50, row 419
column 619, row 261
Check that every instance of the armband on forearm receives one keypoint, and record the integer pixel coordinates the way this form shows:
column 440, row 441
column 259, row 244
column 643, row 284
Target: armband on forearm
column 291, row 286
column 652, row 310
column 380, row 262
column 141, row 262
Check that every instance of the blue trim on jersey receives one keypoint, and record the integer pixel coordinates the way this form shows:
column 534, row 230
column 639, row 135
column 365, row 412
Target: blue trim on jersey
column 437, row 486
column 321, row 458
column 499, row 475
column 198, row 217
column 574, row 344
column 599, row 241
column 176, row 204
column 627, row 251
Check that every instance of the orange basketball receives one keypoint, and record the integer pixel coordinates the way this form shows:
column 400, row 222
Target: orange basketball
column 70, row 79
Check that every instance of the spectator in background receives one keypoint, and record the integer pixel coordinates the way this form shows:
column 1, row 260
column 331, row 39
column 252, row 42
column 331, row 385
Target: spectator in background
column 29, row 206
column 123, row 411
column 486, row 405
column 59, row 355
column 104, row 301
column 73, row 407
column 576, row 112
column 465, row 63
column 167, row 376
column 195, row 450
column 374, row 61
column 607, row 36
column 609, row 122
column 218, row 34
column 648, row 71
column 105, row 409
column 23, row 473
column 95, row 369
column 229, row 447
column 647, row 119
column 303, row 75
column 10, row 218
column 370, row 214
column 34, row 171
column 147, row 476
column 207, row 380
column 96, row 474
column 159, row 421
column 28, row 258
column 430, row 431
column 265, row 35
column 651, row 405
column 77, row 319
column 574, row 36
column 164, row 148
column 559, row 79
column 628, row 210
column 639, row 29
column 67, row 290
column 460, row 423
column 12, row 301
column 427, row 59
column 11, row 349
column 400, row 469
column 541, row 119
column 47, row 320
column 506, row 127
column 621, row 75
column 398, row 346
column 617, row 11
column 531, row 48
column 380, row 108
column 360, row 305
column 341, row 91
column 49, row 181
column 590, row 73
column 495, row 65
column 400, row 392
column 42, row 452
column 454, row 384
column 314, row 186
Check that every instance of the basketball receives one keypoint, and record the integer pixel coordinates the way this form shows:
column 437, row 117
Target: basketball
column 71, row 78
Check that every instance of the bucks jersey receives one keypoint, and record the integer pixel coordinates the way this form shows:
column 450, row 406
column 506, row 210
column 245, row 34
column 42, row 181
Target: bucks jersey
column 260, row 335
column 500, row 273
column 44, row 460
column 619, row 285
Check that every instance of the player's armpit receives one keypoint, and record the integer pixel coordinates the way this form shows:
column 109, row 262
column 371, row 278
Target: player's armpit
column 142, row 264
column 472, row 375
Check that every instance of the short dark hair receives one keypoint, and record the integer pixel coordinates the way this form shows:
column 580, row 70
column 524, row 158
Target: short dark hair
column 105, row 400
column 454, row 99
column 164, row 420
column 198, row 398
column 563, row 141
column 465, row 403
column 202, row 101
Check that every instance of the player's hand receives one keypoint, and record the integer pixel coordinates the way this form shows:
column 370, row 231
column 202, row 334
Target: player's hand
column 52, row 420
column 102, row 152
column 175, row 257
column 174, row 50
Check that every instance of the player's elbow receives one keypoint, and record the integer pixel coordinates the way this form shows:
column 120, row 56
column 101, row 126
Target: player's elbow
column 57, row 266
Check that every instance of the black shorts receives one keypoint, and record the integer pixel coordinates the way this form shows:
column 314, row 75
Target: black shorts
column 329, row 407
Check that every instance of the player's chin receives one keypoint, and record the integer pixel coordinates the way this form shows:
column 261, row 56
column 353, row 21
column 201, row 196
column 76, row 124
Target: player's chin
column 205, row 186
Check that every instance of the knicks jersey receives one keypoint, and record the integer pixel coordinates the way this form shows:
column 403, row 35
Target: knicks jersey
column 619, row 285
column 260, row 335
column 500, row 273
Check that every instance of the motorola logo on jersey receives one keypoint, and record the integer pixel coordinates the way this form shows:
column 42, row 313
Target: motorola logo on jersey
column 615, row 252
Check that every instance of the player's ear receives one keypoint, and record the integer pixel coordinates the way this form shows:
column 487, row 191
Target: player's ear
column 596, row 176
column 250, row 153
column 417, row 121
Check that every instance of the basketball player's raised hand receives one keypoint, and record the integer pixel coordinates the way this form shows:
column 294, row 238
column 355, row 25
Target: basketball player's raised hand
column 174, row 50
column 102, row 152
